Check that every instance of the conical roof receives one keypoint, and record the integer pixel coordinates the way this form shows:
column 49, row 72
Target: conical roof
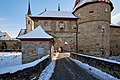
column 29, row 9
column 37, row 33
column 79, row 3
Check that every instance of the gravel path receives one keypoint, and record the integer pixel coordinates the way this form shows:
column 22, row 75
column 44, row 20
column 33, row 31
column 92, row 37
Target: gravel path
column 68, row 70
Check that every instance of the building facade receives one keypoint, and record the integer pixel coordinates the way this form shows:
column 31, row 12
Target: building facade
column 35, row 45
column 86, row 30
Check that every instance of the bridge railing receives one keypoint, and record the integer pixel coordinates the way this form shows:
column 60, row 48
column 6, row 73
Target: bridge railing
column 108, row 66
column 28, row 73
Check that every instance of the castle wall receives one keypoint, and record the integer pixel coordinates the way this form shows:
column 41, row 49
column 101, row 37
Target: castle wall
column 62, row 30
column 94, row 28
column 115, row 41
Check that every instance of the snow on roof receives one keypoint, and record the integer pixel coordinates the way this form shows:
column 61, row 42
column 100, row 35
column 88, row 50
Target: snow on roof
column 114, row 25
column 12, row 39
column 2, row 33
column 36, row 33
column 87, row 1
column 56, row 14
column 22, row 32
column 116, row 19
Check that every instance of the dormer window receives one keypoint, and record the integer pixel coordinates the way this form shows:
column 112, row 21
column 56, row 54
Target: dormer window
column 61, row 25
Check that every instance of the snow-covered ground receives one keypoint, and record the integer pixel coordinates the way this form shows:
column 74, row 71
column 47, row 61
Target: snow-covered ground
column 94, row 71
column 8, row 59
column 116, row 58
column 48, row 71
column 13, row 69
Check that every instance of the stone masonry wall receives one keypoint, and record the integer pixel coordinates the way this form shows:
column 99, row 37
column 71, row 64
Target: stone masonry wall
column 30, row 50
column 104, row 65
column 92, row 38
column 115, row 41
column 94, row 29
column 67, row 34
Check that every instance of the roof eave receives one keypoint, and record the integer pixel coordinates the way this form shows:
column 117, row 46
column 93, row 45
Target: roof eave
column 35, row 39
column 52, row 18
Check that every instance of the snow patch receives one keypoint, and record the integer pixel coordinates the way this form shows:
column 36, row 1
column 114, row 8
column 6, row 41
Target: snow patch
column 116, row 58
column 8, row 59
column 21, row 67
column 94, row 71
column 48, row 71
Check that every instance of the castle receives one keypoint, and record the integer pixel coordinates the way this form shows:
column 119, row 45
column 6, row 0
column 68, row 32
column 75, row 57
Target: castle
column 87, row 29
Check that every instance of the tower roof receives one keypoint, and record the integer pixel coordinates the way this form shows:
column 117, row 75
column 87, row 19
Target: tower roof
column 29, row 9
column 80, row 3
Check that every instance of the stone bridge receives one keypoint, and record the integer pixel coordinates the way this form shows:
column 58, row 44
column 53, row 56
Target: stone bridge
column 66, row 69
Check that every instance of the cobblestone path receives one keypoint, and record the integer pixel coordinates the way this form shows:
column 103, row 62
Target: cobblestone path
column 68, row 70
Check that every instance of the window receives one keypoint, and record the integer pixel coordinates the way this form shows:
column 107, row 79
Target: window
column 106, row 10
column 117, row 46
column 28, row 21
column 45, row 24
column 40, row 50
column 101, row 29
column 91, row 11
column 74, row 27
column 61, row 25
column 53, row 25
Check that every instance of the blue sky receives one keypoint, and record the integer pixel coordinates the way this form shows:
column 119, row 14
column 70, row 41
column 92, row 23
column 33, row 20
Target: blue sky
column 12, row 12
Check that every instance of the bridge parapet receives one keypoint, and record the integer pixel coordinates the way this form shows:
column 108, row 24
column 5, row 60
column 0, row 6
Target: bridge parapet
column 108, row 66
column 31, row 73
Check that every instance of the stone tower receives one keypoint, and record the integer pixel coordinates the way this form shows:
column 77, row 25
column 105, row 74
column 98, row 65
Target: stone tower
column 93, row 26
column 29, row 22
